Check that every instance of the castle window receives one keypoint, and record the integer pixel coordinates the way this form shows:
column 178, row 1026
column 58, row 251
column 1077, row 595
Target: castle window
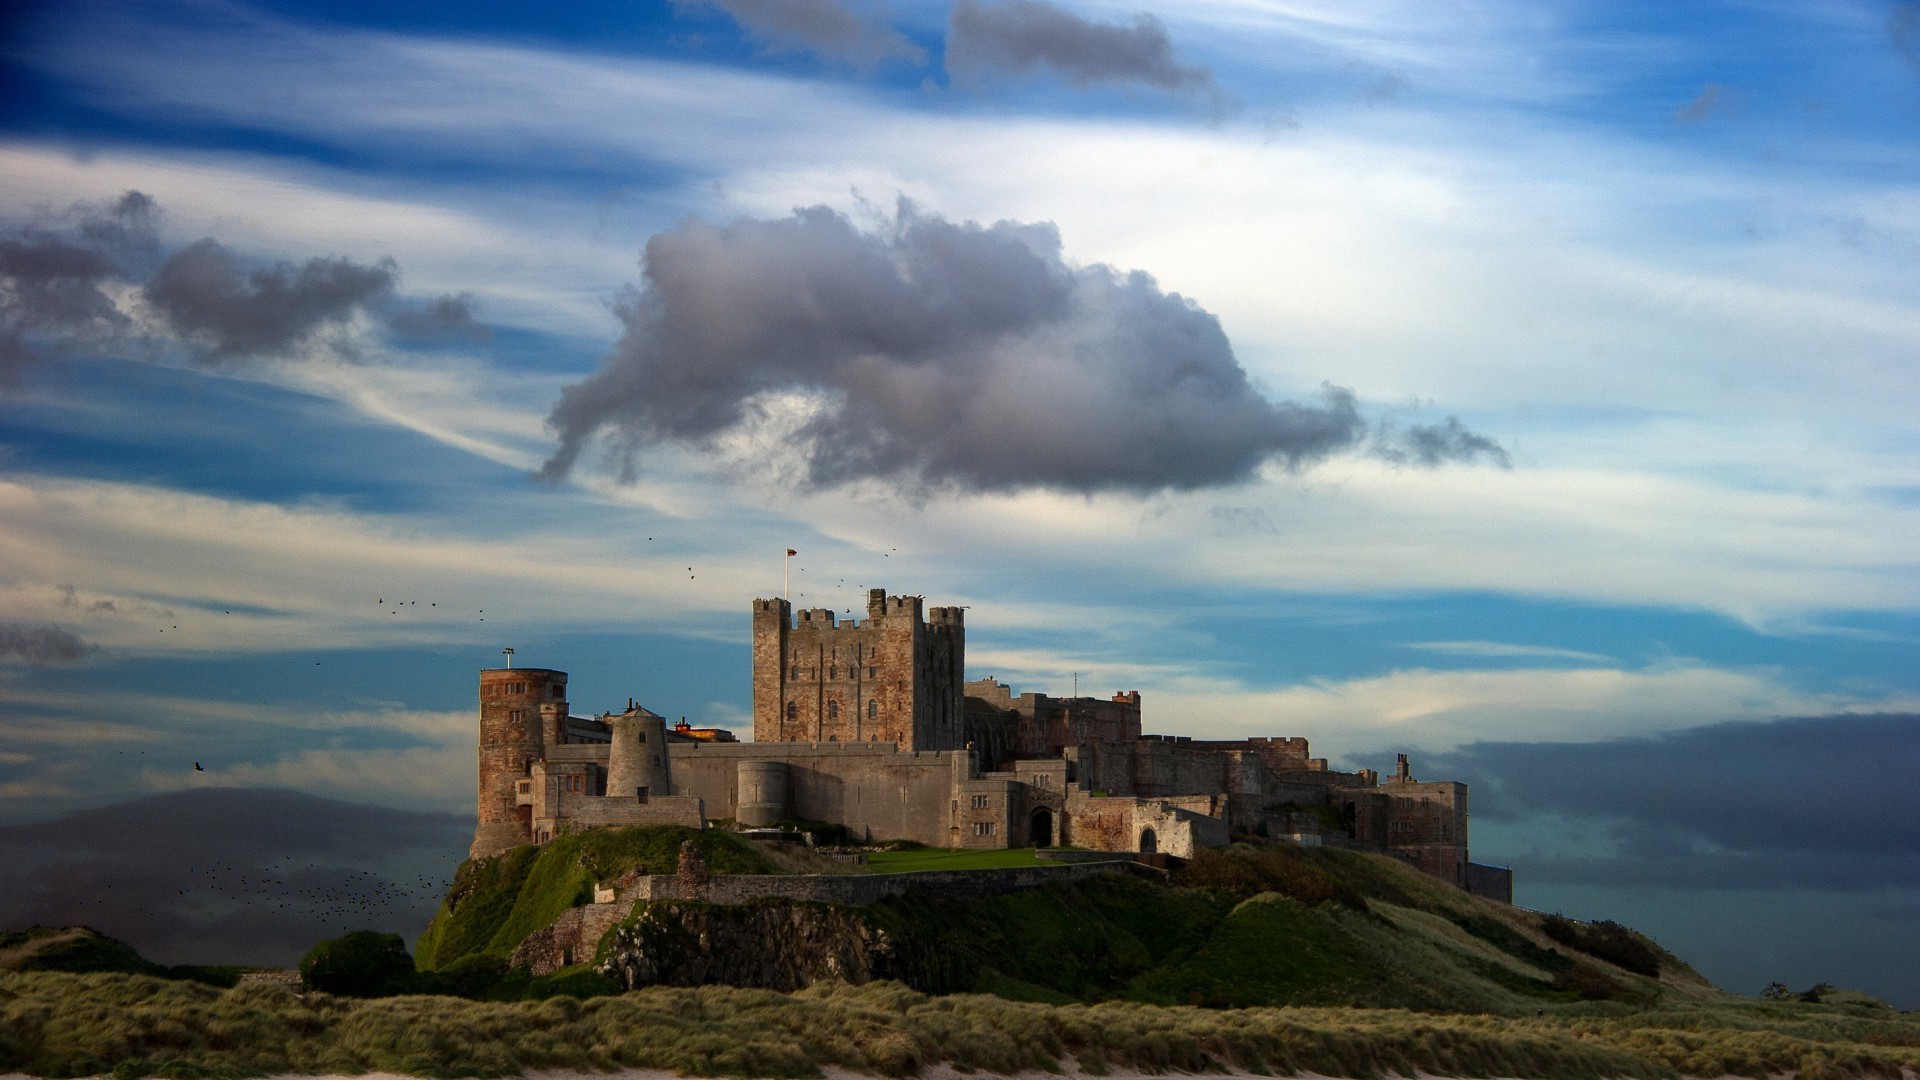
column 979, row 802
column 833, row 710
column 873, row 673
column 873, row 709
column 833, row 672
column 984, row 828
column 793, row 711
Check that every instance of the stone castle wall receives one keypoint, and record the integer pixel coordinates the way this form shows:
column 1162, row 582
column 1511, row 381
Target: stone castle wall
column 869, row 724
column 871, row 788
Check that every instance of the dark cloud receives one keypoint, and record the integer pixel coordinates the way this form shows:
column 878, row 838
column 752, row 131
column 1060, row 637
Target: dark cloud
column 1020, row 36
column 228, row 312
column 59, row 281
column 1432, row 445
column 231, row 876
column 41, row 646
column 448, row 317
column 1807, row 802
column 935, row 353
column 54, row 276
column 825, row 27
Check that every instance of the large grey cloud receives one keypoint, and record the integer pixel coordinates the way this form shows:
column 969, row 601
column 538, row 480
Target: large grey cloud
column 1022, row 36
column 825, row 27
column 229, row 312
column 66, row 283
column 41, row 645
column 935, row 353
column 54, row 278
column 231, row 876
column 1803, row 802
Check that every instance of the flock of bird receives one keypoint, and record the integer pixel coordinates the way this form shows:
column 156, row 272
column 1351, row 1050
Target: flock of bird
column 481, row 613
column 351, row 898
column 333, row 897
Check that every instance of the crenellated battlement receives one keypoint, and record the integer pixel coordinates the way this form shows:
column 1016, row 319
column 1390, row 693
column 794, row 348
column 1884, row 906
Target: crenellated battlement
column 892, row 678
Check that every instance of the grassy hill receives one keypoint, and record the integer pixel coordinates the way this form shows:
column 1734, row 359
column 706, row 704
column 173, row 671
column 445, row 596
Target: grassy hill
column 1238, row 927
column 1279, row 926
column 79, row 949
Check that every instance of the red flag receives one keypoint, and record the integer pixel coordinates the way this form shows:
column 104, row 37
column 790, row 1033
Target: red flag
column 790, row 551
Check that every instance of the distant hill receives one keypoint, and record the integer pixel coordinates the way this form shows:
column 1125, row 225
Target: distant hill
column 230, row 875
column 82, row 950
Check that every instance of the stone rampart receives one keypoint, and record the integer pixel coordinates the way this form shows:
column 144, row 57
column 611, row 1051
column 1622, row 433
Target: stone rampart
column 569, row 939
column 870, row 888
column 1491, row 882
column 588, row 812
column 873, row 788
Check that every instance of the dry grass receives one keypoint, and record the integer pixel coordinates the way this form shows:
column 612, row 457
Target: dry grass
column 61, row 1025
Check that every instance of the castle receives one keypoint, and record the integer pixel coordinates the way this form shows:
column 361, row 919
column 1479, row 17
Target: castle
column 871, row 724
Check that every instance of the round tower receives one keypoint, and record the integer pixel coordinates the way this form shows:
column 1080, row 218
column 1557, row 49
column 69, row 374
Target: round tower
column 512, row 703
column 766, row 793
column 637, row 760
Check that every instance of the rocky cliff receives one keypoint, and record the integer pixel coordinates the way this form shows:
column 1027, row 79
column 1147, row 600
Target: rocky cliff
column 775, row 945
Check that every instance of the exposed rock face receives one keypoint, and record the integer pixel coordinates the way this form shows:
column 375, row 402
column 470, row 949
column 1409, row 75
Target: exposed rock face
column 774, row 946
column 693, row 868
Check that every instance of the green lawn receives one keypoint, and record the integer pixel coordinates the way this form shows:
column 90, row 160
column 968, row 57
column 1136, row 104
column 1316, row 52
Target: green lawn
column 901, row 862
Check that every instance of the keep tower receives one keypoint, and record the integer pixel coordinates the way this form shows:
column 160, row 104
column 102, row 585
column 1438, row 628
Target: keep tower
column 522, row 712
column 895, row 677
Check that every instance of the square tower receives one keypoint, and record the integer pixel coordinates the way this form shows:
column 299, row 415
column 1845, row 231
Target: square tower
column 895, row 677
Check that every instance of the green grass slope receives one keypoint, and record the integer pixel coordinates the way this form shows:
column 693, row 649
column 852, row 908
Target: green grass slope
column 495, row 903
column 1266, row 926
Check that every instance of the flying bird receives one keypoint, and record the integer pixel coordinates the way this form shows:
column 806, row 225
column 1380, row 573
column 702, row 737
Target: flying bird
column 197, row 767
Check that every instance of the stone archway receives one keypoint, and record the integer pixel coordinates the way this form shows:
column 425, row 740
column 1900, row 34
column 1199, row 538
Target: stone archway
column 1148, row 842
column 1040, row 828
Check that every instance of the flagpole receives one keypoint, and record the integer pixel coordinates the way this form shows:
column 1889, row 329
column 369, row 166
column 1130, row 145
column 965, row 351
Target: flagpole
column 786, row 590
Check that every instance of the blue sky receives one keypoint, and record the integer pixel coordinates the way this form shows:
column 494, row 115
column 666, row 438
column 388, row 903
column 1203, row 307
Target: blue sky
column 1503, row 385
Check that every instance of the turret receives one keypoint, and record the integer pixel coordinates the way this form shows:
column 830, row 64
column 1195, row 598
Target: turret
column 637, row 764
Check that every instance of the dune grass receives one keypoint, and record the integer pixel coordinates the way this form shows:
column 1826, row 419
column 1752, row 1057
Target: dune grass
column 56, row 1024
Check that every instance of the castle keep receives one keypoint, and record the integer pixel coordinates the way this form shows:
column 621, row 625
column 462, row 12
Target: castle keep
column 871, row 724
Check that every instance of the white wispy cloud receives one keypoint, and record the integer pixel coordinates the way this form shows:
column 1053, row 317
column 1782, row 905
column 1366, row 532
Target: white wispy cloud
column 1430, row 710
column 189, row 573
column 1501, row 648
